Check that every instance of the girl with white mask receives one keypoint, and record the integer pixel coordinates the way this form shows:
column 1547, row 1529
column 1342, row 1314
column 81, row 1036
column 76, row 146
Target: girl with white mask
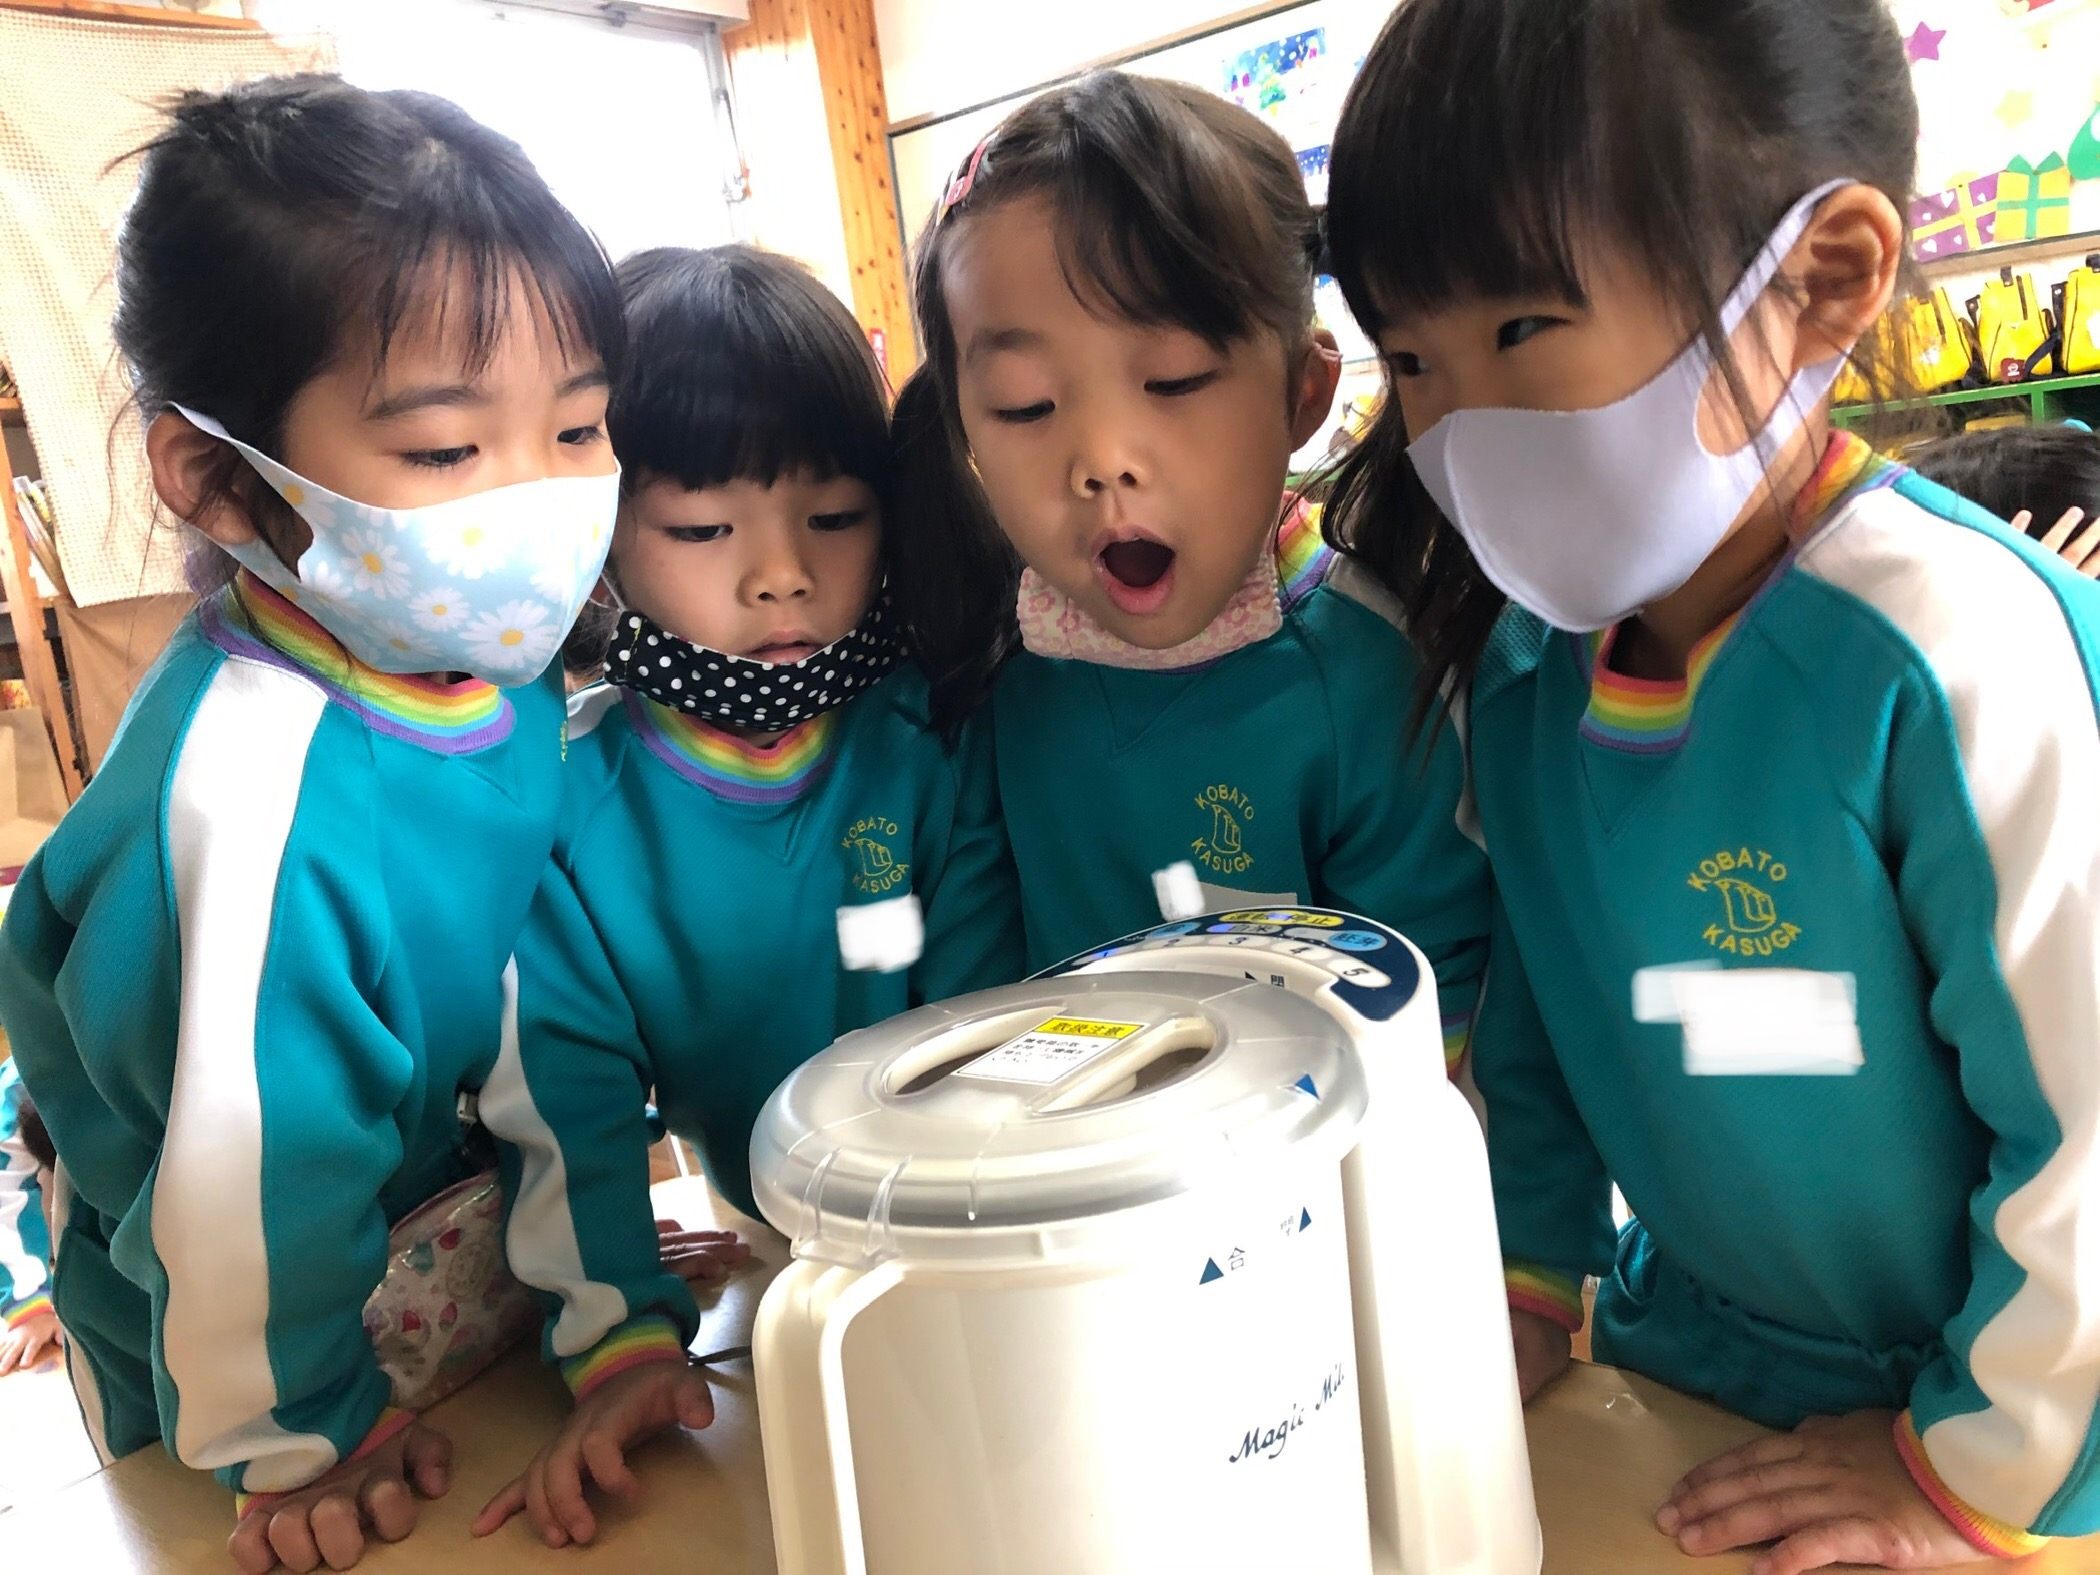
column 1784, row 758
column 254, row 976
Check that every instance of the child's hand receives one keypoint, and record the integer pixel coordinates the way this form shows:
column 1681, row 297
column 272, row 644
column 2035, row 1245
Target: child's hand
column 2082, row 552
column 1834, row 1490
column 701, row 1256
column 1544, row 1350
column 330, row 1520
column 23, row 1346
column 608, row 1422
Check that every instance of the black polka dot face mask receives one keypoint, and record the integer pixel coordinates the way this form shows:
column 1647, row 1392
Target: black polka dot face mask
column 734, row 691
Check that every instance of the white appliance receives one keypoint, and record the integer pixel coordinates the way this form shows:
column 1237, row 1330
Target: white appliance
column 1146, row 1266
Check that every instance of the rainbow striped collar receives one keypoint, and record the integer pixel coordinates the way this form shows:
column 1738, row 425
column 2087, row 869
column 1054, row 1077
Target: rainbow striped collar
column 250, row 620
column 1641, row 716
column 1645, row 716
column 1303, row 557
column 730, row 767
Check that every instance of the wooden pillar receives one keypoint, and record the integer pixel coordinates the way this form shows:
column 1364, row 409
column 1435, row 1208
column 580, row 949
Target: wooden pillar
column 814, row 123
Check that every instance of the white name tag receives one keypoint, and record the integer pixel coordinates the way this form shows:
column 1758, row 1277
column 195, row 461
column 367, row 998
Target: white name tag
column 1749, row 1022
column 882, row 937
column 1183, row 894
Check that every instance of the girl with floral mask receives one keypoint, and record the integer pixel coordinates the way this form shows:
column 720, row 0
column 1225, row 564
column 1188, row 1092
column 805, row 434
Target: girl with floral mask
column 1784, row 756
column 1192, row 697
column 252, row 975
column 763, row 846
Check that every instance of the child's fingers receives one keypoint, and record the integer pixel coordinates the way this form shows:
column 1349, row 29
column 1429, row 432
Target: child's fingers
column 426, row 1460
column 565, row 1500
column 292, row 1539
column 700, row 1265
column 1758, row 1452
column 388, row 1507
column 509, row 1500
column 2080, row 551
column 671, row 1230
column 1720, row 1493
column 695, row 1402
column 1763, row 1519
column 1851, row 1541
column 10, row 1357
column 2056, row 535
column 607, row 1463
column 338, row 1533
column 543, row 1520
column 250, row 1545
column 2020, row 521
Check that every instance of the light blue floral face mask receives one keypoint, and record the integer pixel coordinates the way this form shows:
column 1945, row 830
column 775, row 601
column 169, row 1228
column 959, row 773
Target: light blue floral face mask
column 487, row 584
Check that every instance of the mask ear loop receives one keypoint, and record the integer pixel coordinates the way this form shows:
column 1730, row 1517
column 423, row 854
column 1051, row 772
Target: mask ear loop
column 1811, row 383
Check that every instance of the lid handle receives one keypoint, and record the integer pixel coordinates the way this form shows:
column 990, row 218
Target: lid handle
column 1144, row 1060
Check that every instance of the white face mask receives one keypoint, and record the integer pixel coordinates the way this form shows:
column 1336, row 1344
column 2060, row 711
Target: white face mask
column 488, row 584
column 1587, row 516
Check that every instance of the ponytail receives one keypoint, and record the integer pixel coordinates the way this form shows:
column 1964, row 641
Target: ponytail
column 954, row 578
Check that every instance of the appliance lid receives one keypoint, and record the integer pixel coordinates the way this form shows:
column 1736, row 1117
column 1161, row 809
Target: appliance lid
column 1050, row 1102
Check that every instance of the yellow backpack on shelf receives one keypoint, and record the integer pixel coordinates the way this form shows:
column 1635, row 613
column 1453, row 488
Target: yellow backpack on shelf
column 2078, row 306
column 1942, row 347
column 2013, row 332
column 1928, row 337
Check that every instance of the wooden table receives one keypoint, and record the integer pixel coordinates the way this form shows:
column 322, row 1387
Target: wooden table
column 1604, row 1448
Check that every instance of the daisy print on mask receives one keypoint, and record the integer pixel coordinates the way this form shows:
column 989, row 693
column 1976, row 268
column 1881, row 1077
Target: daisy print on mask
column 468, row 548
column 494, row 637
column 439, row 609
column 375, row 565
column 487, row 584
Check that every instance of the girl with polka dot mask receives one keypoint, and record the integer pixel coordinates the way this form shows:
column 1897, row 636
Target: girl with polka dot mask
column 764, row 845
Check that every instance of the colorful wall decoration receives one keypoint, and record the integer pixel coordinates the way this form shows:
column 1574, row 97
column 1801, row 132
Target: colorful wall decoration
column 2009, row 105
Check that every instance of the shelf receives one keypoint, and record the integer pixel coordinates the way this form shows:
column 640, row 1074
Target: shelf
column 2038, row 394
column 10, row 412
column 2012, row 254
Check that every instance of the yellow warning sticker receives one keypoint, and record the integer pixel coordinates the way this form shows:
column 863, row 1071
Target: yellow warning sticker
column 1325, row 921
column 1086, row 1029
column 1050, row 1052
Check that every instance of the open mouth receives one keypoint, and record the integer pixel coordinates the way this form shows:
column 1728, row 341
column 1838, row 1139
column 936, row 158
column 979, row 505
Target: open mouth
column 1137, row 574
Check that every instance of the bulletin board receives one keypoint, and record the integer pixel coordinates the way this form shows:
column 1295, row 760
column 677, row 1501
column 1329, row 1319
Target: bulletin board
column 1292, row 65
column 2009, row 106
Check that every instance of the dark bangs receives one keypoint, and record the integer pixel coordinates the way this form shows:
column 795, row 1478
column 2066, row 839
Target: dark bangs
column 1173, row 208
column 743, row 367
column 464, row 232
column 294, row 219
column 1485, row 139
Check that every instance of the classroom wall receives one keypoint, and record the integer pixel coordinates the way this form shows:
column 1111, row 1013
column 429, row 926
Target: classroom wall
column 939, row 55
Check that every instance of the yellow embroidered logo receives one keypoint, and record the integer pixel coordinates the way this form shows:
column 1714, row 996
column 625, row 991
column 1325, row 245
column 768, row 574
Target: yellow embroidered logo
column 875, row 868
column 1220, row 848
column 1745, row 881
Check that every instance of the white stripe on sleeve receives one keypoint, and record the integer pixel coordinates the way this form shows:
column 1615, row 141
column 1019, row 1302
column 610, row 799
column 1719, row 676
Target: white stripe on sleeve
column 541, row 1240
column 24, row 1269
column 2015, row 682
column 229, row 817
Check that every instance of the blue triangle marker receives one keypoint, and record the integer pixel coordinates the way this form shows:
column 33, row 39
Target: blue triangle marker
column 1306, row 1083
column 1211, row 1271
column 1305, row 1219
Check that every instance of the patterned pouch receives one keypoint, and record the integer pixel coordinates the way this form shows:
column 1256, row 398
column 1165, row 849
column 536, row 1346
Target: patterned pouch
column 448, row 1305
